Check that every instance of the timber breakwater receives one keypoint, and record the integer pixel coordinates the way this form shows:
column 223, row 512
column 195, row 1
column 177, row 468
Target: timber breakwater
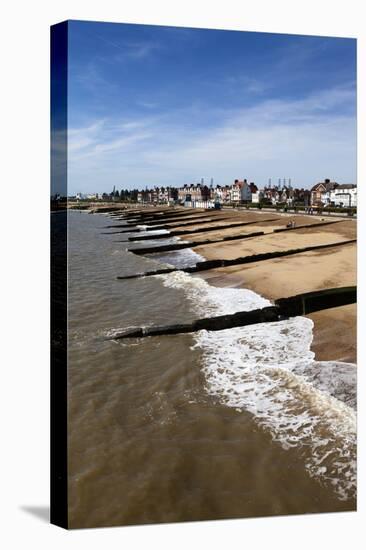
column 283, row 308
column 311, row 241
column 235, row 346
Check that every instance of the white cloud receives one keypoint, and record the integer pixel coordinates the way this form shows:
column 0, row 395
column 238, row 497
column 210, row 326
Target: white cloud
column 140, row 50
column 306, row 140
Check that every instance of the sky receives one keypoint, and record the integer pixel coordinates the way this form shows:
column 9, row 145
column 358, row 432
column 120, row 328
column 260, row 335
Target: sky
column 157, row 106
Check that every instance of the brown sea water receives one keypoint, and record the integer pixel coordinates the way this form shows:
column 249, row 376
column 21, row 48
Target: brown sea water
column 238, row 423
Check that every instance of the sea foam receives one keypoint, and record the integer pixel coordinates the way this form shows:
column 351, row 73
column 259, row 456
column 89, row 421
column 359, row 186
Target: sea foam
column 269, row 370
column 178, row 258
column 153, row 231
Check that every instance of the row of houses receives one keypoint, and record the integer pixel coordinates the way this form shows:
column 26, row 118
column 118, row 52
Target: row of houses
column 239, row 191
column 161, row 195
column 285, row 195
column 331, row 193
column 322, row 194
column 88, row 196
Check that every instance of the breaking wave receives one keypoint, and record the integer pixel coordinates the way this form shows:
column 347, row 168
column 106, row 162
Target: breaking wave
column 269, row 370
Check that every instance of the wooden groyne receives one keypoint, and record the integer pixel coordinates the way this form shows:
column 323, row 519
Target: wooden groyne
column 164, row 226
column 183, row 221
column 149, row 212
column 179, row 232
column 157, row 218
column 171, row 218
column 152, row 222
column 161, row 214
column 284, row 308
column 214, row 264
column 118, row 226
column 110, row 210
column 130, row 214
column 191, row 244
column 156, row 223
column 307, row 226
column 210, row 220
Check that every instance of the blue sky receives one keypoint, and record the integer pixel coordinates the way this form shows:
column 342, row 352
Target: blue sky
column 150, row 105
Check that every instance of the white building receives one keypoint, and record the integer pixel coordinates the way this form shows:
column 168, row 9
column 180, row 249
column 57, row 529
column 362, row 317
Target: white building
column 235, row 192
column 163, row 195
column 248, row 192
column 344, row 195
column 255, row 197
column 219, row 193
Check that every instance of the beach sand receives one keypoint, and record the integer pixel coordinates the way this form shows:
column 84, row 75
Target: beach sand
column 334, row 329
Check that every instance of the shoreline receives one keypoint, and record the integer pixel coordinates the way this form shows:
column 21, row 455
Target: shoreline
column 334, row 333
column 302, row 409
column 335, row 329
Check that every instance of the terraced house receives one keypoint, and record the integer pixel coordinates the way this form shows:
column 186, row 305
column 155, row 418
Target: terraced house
column 329, row 193
column 319, row 189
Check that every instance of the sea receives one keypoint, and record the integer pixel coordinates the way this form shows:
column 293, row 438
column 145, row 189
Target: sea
column 235, row 423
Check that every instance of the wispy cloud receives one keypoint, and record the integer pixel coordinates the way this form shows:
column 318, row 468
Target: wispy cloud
column 134, row 50
column 244, row 83
column 92, row 75
column 104, row 136
column 147, row 104
column 83, row 138
column 306, row 140
column 90, row 78
column 141, row 50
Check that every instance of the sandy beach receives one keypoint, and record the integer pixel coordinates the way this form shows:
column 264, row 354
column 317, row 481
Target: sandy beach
column 334, row 329
column 210, row 422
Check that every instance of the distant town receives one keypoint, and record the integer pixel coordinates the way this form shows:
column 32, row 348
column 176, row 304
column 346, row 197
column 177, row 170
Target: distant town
column 323, row 194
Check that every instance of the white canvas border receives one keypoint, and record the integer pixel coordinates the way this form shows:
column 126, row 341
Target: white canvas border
column 25, row 270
